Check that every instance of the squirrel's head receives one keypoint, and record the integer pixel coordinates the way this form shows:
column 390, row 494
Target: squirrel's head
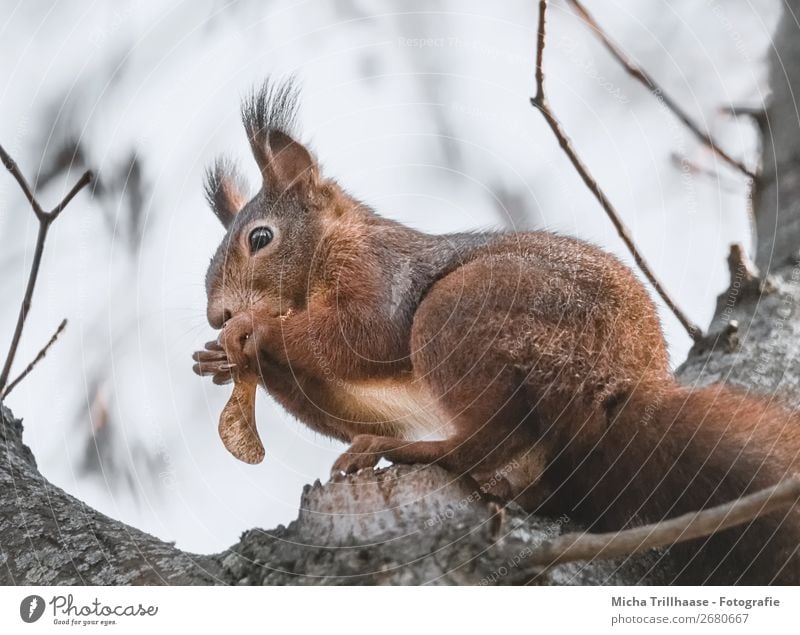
column 265, row 259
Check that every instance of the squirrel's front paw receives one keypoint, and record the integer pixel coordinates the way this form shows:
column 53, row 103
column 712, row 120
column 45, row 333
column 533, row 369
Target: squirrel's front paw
column 213, row 360
column 361, row 454
column 238, row 340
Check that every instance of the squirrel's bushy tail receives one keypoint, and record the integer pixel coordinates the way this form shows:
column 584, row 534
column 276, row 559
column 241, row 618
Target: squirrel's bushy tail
column 665, row 450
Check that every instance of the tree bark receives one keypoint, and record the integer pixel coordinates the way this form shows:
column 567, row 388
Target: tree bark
column 759, row 350
column 421, row 525
column 403, row 525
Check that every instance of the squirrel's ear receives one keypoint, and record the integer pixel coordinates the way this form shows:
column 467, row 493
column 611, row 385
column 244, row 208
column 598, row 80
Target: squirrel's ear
column 269, row 114
column 225, row 191
column 292, row 166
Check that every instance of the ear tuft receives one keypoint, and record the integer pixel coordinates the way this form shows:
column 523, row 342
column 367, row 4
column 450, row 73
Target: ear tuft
column 269, row 115
column 272, row 107
column 225, row 190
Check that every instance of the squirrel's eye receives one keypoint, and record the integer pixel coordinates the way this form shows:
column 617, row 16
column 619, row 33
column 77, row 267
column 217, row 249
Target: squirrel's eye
column 260, row 237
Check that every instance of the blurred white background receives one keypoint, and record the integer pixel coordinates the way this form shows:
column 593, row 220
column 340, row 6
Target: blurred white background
column 420, row 108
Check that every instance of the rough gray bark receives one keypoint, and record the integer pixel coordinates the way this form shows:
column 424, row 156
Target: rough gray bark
column 759, row 350
column 412, row 525
column 404, row 525
column 777, row 192
column 49, row 537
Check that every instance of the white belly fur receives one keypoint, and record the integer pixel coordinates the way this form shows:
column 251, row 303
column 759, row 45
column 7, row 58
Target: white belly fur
column 412, row 410
column 408, row 407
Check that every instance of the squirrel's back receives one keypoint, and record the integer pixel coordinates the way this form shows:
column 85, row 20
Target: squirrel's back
column 625, row 443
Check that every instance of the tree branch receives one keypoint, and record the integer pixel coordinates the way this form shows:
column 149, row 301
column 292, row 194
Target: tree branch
column 684, row 163
column 12, row 167
column 35, row 361
column 584, row 546
column 85, row 179
column 541, row 103
column 642, row 76
column 45, row 220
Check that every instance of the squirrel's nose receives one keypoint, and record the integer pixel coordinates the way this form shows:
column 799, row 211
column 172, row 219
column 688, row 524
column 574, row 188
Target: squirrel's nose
column 217, row 316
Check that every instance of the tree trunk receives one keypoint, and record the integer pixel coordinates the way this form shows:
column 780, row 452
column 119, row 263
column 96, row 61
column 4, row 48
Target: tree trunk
column 413, row 525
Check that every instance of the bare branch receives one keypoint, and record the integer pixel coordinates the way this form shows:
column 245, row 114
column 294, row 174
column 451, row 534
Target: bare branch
column 12, row 167
column 45, row 220
column 25, row 308
column 683, row 163
column 85, row 179
column 638, row 73
column 35, row 361
column 540, row 102
column 540, row 98
column 583, row 546
column 757, row 113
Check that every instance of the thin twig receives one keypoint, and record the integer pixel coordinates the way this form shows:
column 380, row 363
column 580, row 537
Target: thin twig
column 45, row 220
column 541, row 103
column 12, row 167
column 583, row 546
column 759, row 113
column 685, row 164
column 85, row 179
column 35, row 361
column 641, row 75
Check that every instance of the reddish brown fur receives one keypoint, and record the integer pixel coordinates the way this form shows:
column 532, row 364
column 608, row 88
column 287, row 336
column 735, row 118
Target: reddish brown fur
column 529, row 350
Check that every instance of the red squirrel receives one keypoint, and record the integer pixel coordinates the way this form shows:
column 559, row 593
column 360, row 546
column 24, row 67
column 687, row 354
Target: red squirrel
column 529, row 355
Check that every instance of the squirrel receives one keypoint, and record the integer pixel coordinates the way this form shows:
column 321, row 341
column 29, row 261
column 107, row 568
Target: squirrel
column 533, row 362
